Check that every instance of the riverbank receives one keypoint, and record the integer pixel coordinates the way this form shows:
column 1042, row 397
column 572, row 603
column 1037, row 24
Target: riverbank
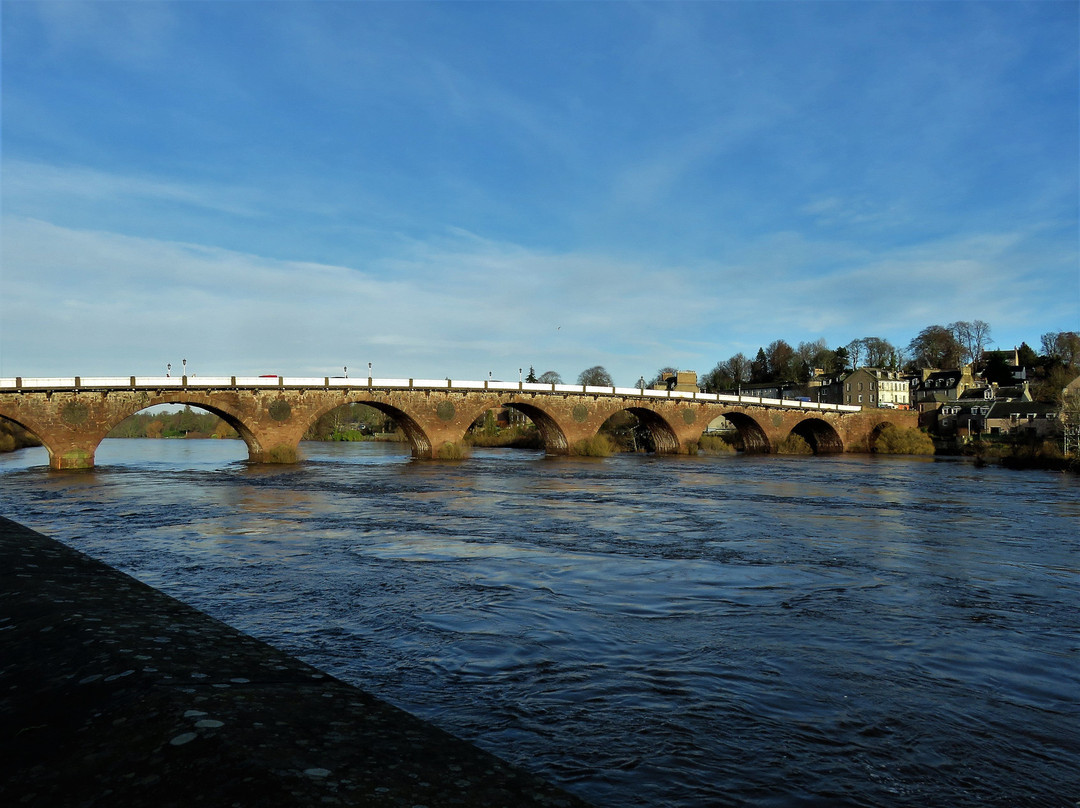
column 112, row 693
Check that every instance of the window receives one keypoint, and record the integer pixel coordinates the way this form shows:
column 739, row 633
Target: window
column 860, row 397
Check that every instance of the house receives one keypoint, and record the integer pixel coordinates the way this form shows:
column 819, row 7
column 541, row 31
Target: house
column 776, row 390
column 936, row 387
column 870, row 387
column 1024, row 419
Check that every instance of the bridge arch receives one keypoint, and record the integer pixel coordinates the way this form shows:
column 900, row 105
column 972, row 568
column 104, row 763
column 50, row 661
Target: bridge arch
column 821, row 436
column 661, row 434
column 417, row 436
column 754, row 438
column 550, row 432
column 118, row 416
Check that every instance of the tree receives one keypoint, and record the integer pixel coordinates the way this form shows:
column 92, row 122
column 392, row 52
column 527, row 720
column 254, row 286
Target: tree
column 880, row 353
column 855, row 351
column 873, row 352
column 935, row 347
column 973, row 337
column 840, row 362
column 759, row 368
column 596, row 376
column 781, row 361
column 738, row 369
column 1063, row 346
column 1026, row 356
column 550, row 377
column 715, row 380
column 998, row 371
column 814, row 354
column 531, row 378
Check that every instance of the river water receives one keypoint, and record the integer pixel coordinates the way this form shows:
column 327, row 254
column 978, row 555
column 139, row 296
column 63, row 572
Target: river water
column 645, row 631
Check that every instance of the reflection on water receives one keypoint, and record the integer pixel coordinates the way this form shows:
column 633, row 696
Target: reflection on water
column 646, row 631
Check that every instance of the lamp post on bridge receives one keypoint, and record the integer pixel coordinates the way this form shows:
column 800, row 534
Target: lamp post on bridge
column 369, row 370
column 185, row 366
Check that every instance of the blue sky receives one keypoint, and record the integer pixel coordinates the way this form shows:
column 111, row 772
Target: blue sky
column 453, row 189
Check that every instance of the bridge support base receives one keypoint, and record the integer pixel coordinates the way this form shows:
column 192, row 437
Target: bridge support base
column 72, row 459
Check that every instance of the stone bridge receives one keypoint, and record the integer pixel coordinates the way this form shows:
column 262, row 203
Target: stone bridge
column 71, row 416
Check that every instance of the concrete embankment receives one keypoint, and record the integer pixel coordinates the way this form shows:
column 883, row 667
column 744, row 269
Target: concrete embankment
column 114, row 694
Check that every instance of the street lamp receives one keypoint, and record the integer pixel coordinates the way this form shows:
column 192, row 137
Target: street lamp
column 168, row 369
column 369, row 370
column 185, row 366
column 346, row 369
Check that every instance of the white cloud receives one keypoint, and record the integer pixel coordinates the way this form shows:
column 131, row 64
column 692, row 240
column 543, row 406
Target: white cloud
column 94, row 302
column 91, row 302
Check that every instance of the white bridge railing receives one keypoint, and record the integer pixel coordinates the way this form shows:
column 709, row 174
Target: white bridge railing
column 19, row 384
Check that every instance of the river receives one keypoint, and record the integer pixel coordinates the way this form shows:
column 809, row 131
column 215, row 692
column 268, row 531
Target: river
column 645, row 631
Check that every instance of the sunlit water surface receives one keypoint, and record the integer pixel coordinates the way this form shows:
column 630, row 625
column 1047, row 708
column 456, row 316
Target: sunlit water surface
column 766, row 631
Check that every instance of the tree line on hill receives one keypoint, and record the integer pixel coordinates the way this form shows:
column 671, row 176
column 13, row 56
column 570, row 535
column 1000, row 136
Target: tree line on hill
column 937, row 347
column 185, row 423
column 934, row 347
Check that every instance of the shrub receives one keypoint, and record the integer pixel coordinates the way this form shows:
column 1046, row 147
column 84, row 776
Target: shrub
column 910, row 440
column 282, row 454
column 794, row 445
column 518, row 437
column 599, row 445
column 714, row 445
column 348, row 435
column 452, row 451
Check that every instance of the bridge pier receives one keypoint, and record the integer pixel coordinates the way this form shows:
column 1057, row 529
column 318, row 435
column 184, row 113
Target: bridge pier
column 74, row 455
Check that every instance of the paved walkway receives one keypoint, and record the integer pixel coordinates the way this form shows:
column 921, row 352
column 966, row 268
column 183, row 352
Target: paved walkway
column 114, row 694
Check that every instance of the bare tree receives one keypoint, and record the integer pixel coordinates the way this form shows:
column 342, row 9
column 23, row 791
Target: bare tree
column 880, row 353
column 550, row 377
column 855, row 350
column 1063, row 346
column 973, row 338
column 738, row 368
column 727, row 375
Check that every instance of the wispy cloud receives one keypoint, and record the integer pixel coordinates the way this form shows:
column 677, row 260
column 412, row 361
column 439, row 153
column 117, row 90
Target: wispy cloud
column 448, row 307
column 31, row 184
